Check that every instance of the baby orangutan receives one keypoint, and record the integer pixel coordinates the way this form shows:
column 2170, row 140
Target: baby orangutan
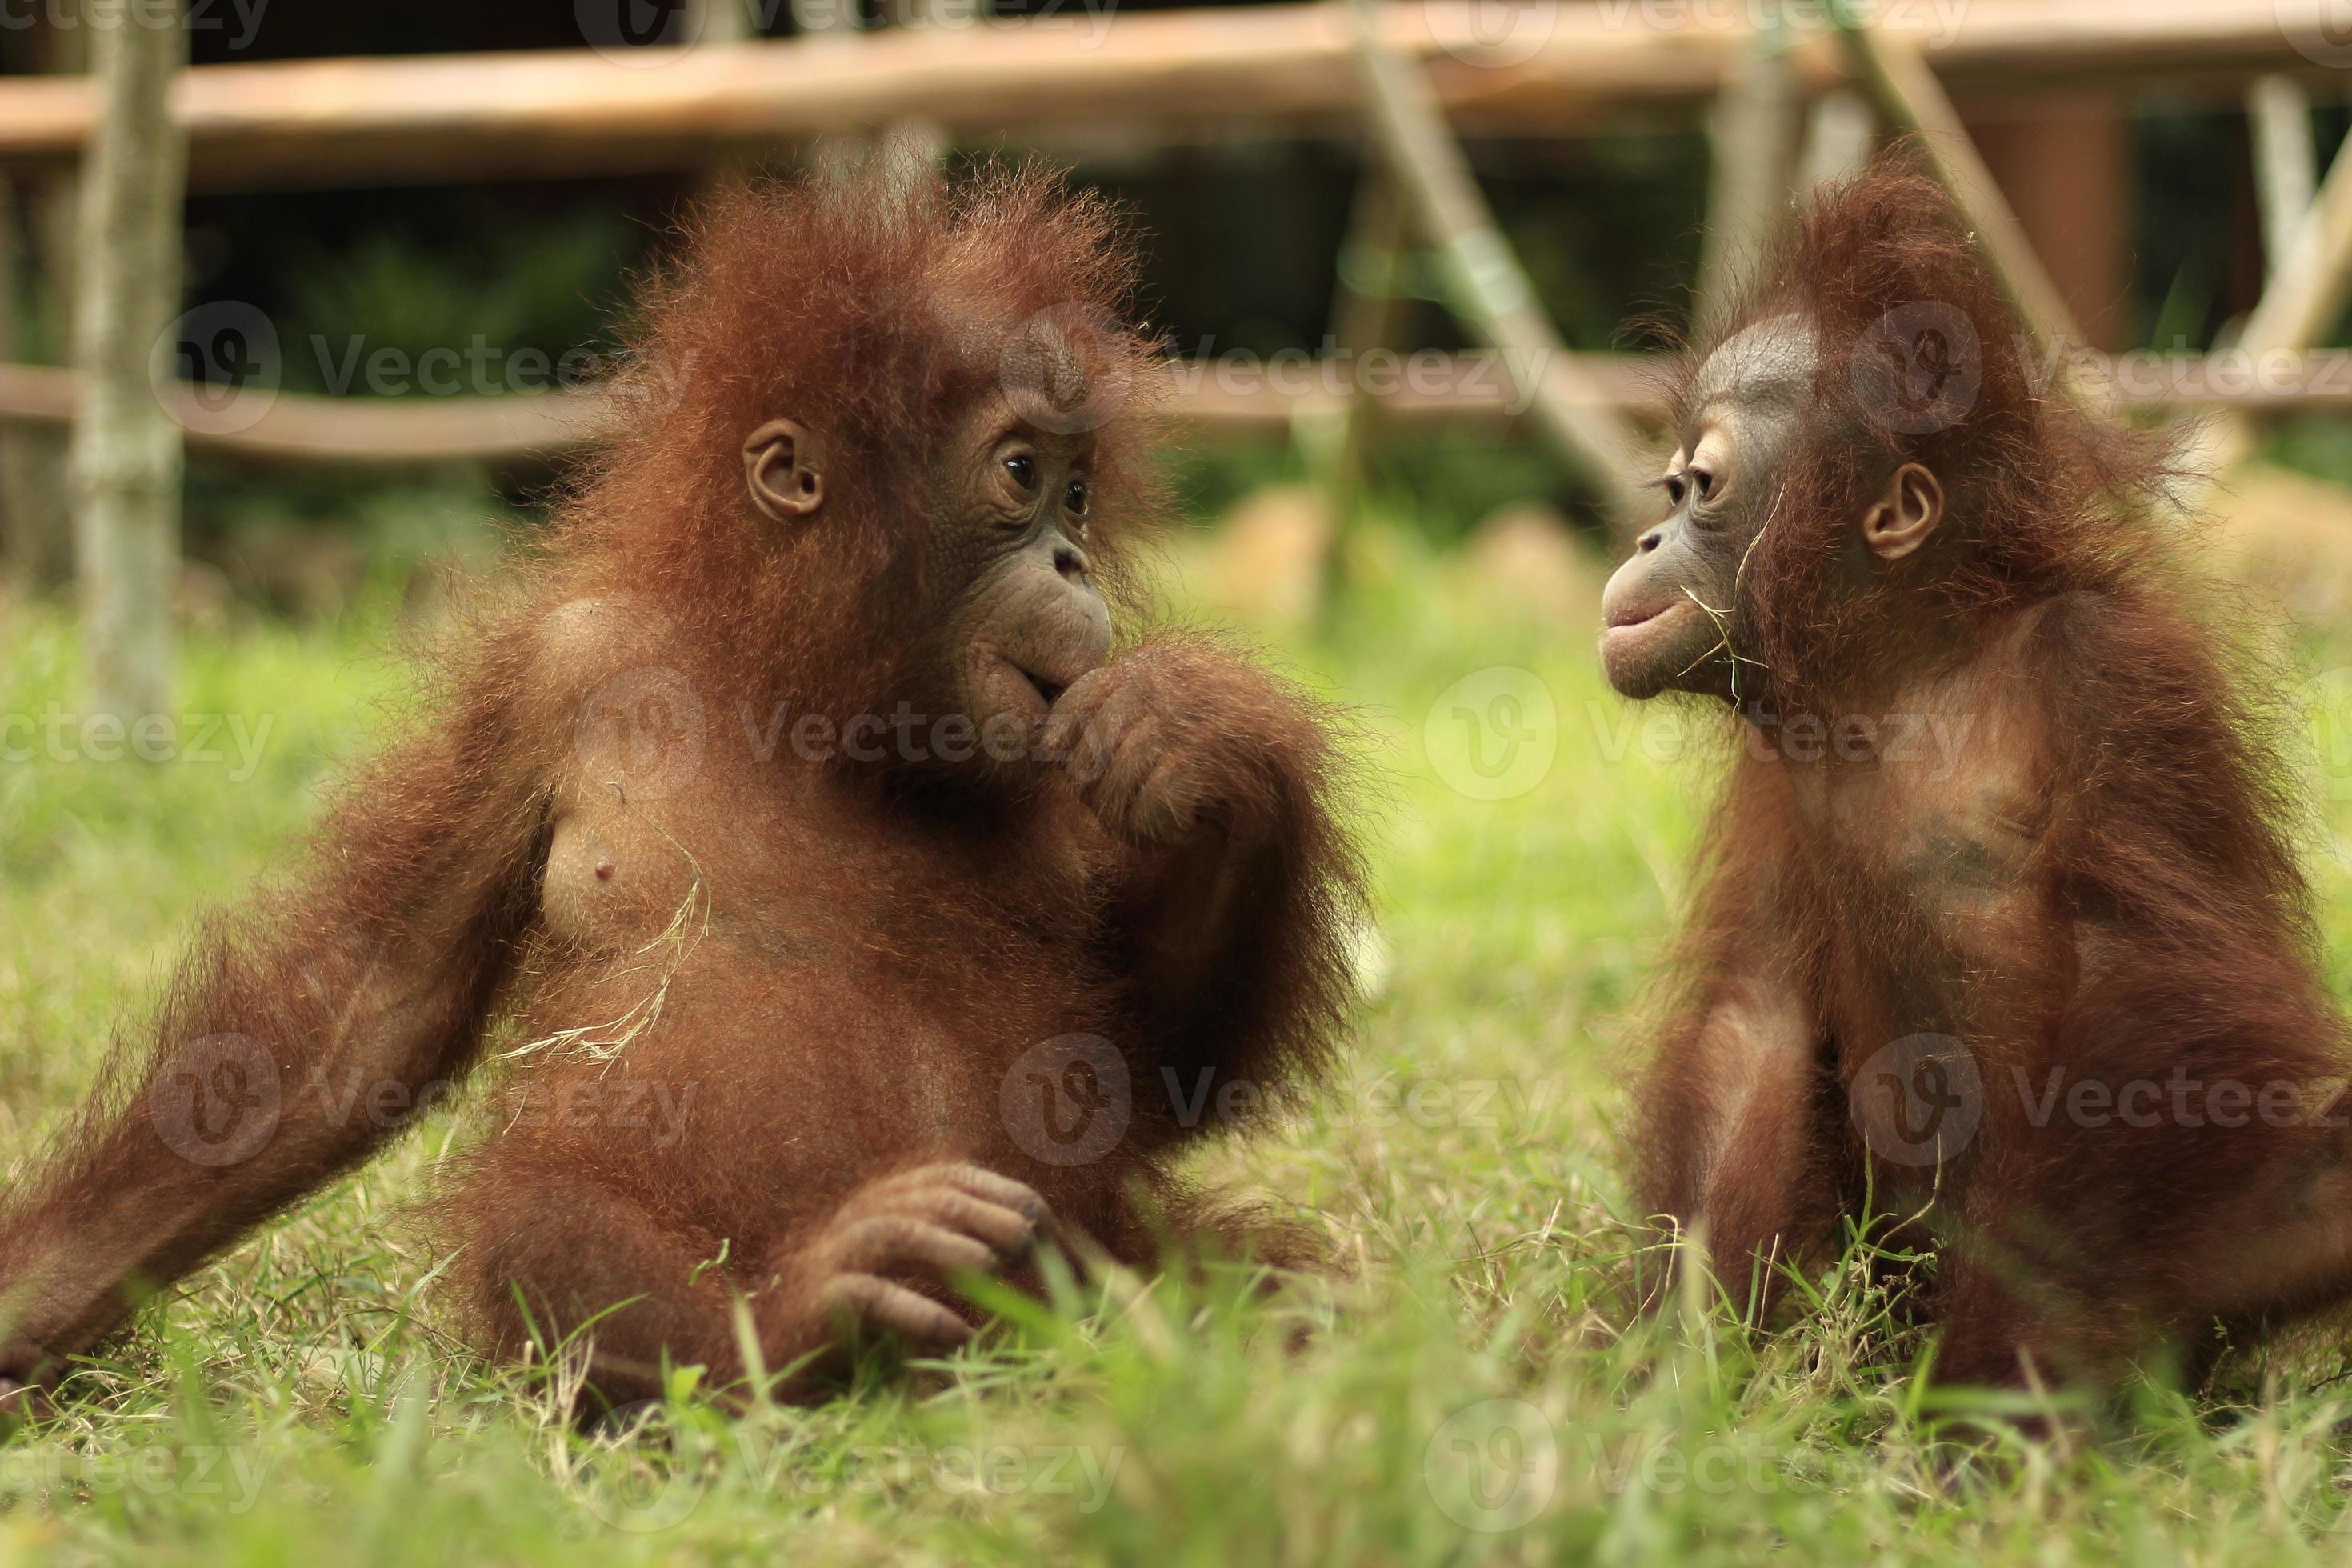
column 1999, row 922
column 798, row 787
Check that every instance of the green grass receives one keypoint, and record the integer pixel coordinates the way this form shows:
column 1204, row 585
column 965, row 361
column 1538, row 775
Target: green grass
column 1477, row 1393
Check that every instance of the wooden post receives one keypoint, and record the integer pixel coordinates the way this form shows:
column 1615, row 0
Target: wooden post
column 1910, row 98
column 1486, row 287
column 1838, row 141
column 2309, row 288
column 2313, row 279
column 2286, row 162
column 127, row 452
column 718, row 21
column 1369, row 312
column 2062, row 161
column 1753, row 131
column 35, row 545
column 37, row 530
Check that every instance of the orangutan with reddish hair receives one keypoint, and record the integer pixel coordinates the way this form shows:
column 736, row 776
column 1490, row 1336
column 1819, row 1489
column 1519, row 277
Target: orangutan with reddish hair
column 1999, row 923
column 853, row 913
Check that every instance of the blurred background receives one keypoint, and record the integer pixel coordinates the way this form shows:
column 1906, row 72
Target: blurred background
column 374, row 192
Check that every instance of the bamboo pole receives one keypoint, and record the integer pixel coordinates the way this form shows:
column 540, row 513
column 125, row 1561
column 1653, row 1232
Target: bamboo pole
column 126, row 453
column 2309, row 290
column 41, row 265
column 1840, row 135
column 1369, row 312
column 1486, row 287
column 1907, row 93
column 1753, row 131
column 2286, row 162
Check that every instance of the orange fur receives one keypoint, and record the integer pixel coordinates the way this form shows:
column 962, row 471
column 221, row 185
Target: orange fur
column 2098, row 886
column 749, row 984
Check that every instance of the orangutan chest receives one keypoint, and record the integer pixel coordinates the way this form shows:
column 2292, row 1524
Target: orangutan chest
column 612, row 876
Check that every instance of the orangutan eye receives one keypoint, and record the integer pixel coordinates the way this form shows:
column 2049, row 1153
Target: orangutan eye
column 1676, row 489
column 1704, row 480
column 1075, row 497
column 1023, row 470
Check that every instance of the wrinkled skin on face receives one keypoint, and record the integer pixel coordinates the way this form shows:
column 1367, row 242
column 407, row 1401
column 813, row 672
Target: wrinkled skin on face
column 1012, row 524
column 1673, row 614
column 1748, row 419
column 1023, row 619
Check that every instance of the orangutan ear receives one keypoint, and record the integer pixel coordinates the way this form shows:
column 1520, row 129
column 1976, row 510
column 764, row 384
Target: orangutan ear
column 780, row 467
column 1900, row 522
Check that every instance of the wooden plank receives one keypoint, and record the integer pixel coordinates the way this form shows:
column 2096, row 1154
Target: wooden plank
column 1276, row 68
column 305, row 431
column 1897, row 77
column 1486, row 287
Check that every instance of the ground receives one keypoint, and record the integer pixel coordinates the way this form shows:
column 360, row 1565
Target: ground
column 1477, row 1393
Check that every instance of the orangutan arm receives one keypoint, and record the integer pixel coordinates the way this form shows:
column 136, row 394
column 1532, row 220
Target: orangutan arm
column 1234, row 913
column 295, row 1037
